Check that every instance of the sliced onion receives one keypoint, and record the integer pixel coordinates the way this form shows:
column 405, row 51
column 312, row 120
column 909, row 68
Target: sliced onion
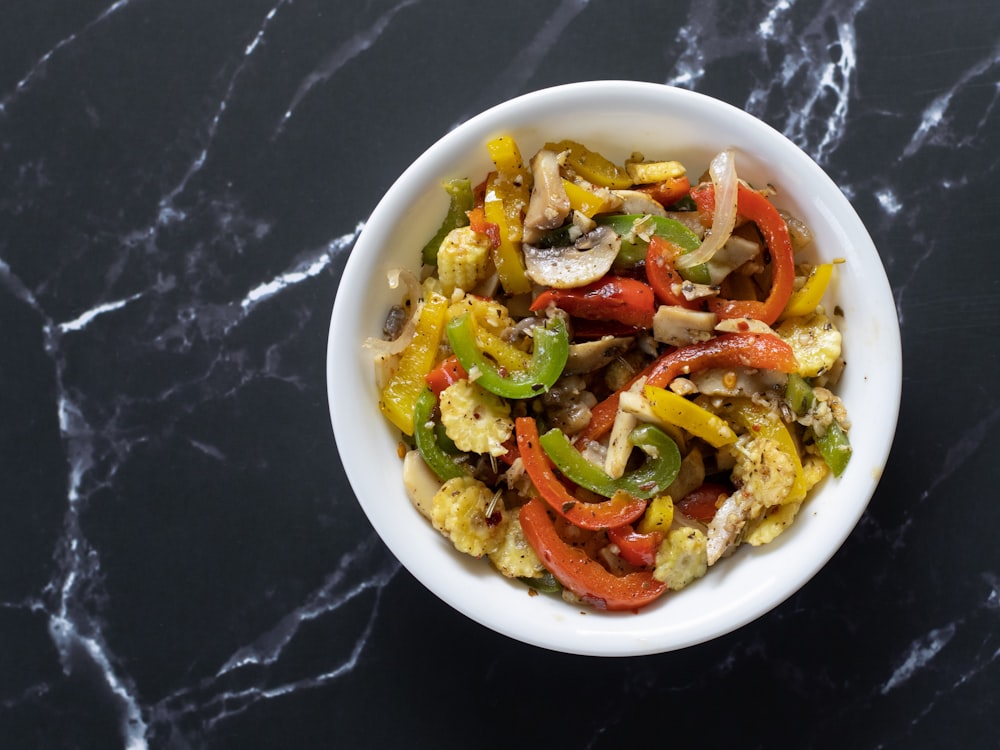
column 413, row 294
column 723, row 173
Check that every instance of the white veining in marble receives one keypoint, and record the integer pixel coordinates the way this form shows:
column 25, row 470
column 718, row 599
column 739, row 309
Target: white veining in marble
column 935, row 126
column 73, row 598
column 84, row 319
column 75, row 624
column 245, row 680
column 818, row 76
column 38, row 68
column 525, row 61
column 824, row 55
column 168, row 211
column 920, row 654
column 358, row 44
column 310, row 264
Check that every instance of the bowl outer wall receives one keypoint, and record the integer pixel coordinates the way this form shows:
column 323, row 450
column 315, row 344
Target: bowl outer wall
column 616, row 118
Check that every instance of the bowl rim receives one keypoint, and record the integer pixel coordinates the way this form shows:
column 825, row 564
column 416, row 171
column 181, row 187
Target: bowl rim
column 423, row 552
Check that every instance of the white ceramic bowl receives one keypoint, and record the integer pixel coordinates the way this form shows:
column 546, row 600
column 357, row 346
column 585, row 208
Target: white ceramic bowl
column 616, row 118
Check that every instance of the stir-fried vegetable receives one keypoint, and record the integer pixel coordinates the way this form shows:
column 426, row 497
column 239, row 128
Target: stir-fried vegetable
column 598, row 400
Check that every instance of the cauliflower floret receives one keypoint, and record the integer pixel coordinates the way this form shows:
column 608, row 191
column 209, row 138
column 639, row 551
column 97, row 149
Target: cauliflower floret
column 682, row 557
column 475, row 419
column 463, row 259
column 815, row 341
column 514, row 557
column 458, row 511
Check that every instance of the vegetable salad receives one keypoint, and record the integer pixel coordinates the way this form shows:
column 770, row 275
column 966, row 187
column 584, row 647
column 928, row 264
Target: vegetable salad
column 607, row 377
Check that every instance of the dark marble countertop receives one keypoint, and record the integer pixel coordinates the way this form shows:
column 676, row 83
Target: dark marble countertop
column 182, row 561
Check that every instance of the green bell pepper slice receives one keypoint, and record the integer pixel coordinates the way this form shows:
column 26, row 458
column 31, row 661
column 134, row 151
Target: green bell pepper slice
column 460, row 201
column 834, row 445
column 445, row 466
column 546, row 365
column 633, row 251
column 798, row 394
column 835, row 448
column 545, row 583
column 657, row 472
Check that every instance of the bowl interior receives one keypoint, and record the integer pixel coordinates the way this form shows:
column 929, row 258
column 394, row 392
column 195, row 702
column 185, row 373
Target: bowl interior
column 617, row 118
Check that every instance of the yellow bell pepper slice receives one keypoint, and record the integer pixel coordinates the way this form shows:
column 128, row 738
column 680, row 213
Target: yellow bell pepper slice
column 760, row 421
column 506, row 257
column 586, row 202
column 399, row 397
column 700, row 422
column 658, row 516
column 512, row 183
column 591, row 166
column 489, row 319
column 506, row 155
column 508, row 357
column 805, row 299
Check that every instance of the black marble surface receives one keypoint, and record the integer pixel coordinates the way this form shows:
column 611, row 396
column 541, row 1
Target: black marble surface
column 182, row 562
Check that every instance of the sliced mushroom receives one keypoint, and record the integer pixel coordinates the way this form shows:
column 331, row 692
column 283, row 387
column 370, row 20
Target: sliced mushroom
column 737, row 251
column 619, row 445
column 587, row 260
column 593, row 355
column 638, row 202
column 679, row 326
column 548, row 205
column 738, row 381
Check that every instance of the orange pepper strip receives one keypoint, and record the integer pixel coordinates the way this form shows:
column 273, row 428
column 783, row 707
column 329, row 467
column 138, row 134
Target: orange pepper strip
column 758, row 209
column 667, row 192
column 581, row 574
column 761, row 350
column 621, row 509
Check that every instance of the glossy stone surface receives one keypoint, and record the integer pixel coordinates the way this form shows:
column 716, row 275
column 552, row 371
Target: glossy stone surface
column 182, row 562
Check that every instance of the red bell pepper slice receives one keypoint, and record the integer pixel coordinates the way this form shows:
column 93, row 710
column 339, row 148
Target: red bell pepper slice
column 447, row 373
column 662, row 275
column 700, row 504
column 477, row 216
column 581, row 574
column 758, row 209
column 479, row 225
column 636, row 548
column 618, row 298
column 620, row 509
column 764, row 351
column 668, row 192
column 512, row 452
